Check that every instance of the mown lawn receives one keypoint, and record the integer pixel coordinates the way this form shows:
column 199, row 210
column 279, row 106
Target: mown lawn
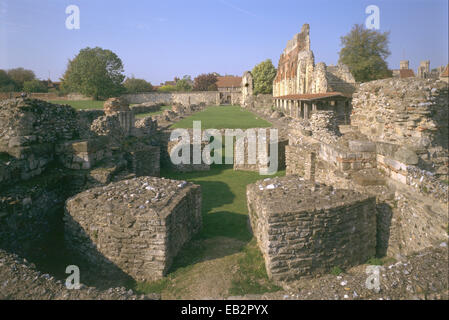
column 81, row 104
column 232, row 117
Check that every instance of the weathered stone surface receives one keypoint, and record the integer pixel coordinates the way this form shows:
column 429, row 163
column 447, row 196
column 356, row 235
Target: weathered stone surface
column 297, row 160
column 406, row 156
column 175, row 148
column 362, row 146
column 247, row 90
column 298, row 74
column 21, row 281
column 304, row 228
column 167, row 98
column 246, row 158
column 137, row 225
column 114, row 105
column 410, row 112
column 144, row 160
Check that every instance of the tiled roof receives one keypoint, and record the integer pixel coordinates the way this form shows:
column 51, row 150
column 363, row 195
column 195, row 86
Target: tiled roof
column 406, row 73
column 311, row 96
column 229, row 82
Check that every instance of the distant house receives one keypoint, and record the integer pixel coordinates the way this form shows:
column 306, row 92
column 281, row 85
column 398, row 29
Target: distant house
column 51, row 85
column 228, row 85
column 445, row 74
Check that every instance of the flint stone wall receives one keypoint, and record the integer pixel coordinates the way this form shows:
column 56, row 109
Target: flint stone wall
column 259, row 102
column 28, row 131
column 138, row 225
column 304, row 228
column 297, row 158
column 28, row 213
column 167, row 98
column 173, row 148
column 82, row 154
column 144, row 160
column 409, row 112
column 245, row 153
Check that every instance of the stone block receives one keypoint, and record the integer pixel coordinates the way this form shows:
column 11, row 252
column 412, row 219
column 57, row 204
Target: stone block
column 303, row 228
column 406, row 156
column 362, row 146
column 137, row 225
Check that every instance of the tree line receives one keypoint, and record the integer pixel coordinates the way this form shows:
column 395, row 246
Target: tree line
column 99, row 73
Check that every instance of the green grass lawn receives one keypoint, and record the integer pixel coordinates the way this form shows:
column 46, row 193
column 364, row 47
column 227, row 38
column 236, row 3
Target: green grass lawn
column 223, row 259
column 81, row 104
column 222, row 117
column 162, row 109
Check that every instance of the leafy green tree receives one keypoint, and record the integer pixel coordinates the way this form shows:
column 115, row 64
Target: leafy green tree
column 263, row 75
column 183, row 85
column 34, row 86
column 134, row 85
column 6, row 83
column 95, row 72
column 364, row 52
column 19, row 76
column 205, row 82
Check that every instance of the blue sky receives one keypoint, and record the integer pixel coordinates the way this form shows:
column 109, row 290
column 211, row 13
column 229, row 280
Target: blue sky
column 158, row 40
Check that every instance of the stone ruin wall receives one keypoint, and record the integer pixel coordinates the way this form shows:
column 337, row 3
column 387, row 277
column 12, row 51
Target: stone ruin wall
column 28, row 132
column 167, row 98
column 298, row 74
column 137, row 225
column 22, row 281
column 81, row 150
column 325, row 228
column 174, row 147
column 381, row 154
column 242, row 152
column 412, row 113
column 45, row 146
column 247, row 89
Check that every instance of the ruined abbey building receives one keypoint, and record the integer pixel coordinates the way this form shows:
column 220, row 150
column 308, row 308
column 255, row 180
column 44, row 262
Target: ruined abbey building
column 301, row 86
column 385, row 140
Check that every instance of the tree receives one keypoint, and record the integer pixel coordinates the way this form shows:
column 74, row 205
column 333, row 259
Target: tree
column 19, row 76
column 183, row 85
column 205, row 82
column 34, row 86
column 6, row 83
column 263, row 76
column 95, row 72
column 364, row 52
column 134, row 85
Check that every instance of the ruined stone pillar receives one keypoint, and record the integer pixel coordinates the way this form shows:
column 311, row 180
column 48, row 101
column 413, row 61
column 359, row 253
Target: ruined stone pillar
column 309, row 166
column 306, row 110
